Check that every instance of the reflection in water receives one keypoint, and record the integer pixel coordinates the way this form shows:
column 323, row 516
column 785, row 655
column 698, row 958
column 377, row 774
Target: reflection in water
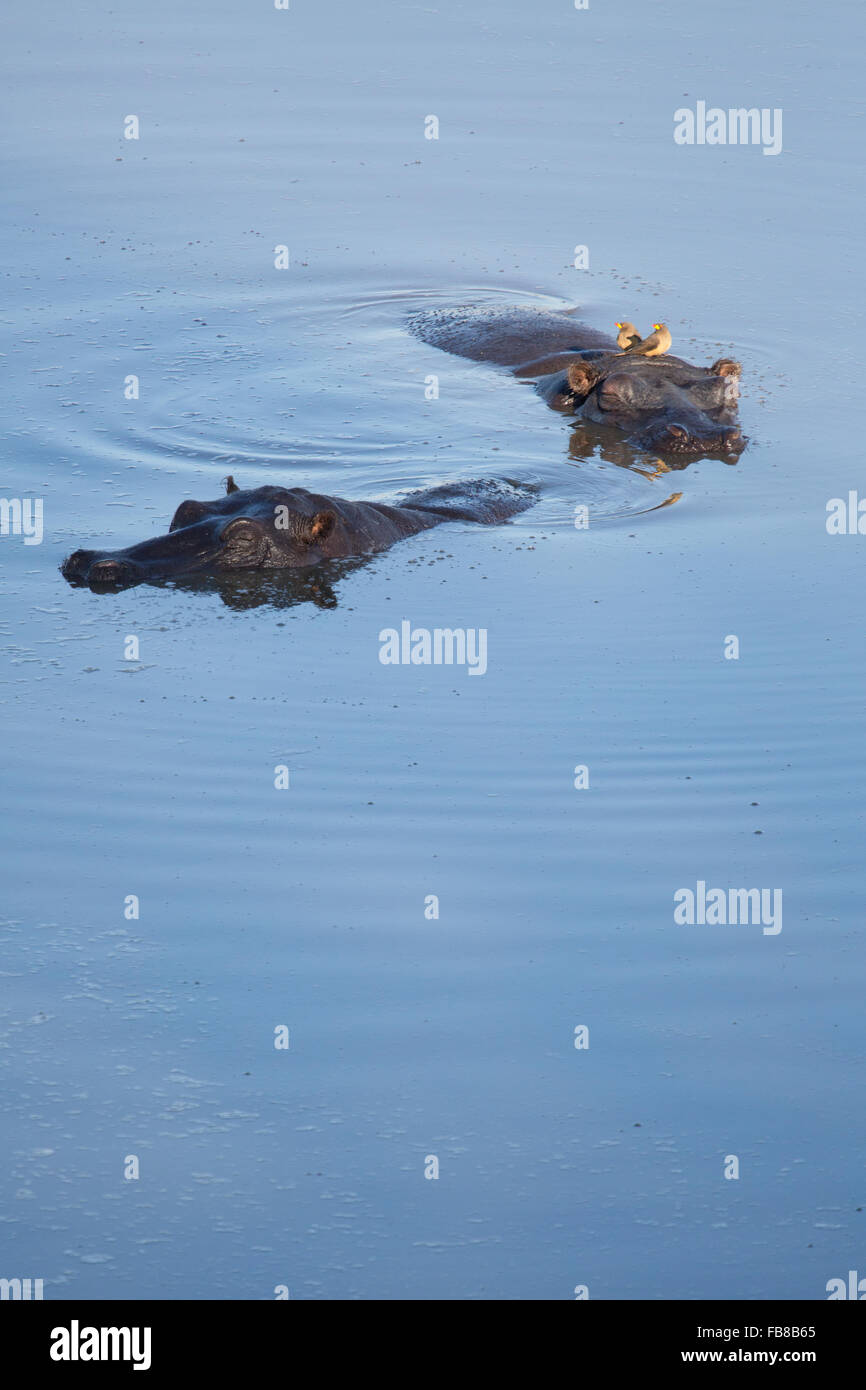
column 590, row 440
column 286, row 588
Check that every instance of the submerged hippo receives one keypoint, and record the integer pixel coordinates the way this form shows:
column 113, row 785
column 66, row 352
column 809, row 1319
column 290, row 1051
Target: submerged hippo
column 289, row 528
column 663, row 403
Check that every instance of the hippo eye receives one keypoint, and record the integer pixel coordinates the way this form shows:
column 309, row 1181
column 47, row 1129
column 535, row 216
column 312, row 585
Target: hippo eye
column 242, row 528
column 616, row 391
column 713, row 392
column 243, row 542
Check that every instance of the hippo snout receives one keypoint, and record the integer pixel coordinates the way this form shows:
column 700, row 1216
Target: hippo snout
column 111, row 572
column 76, row 565
column 89, row 567
column 676, row 437
column 733, row 439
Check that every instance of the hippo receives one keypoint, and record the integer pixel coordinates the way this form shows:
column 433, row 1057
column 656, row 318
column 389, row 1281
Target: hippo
column 662, row 404
column 269, row 528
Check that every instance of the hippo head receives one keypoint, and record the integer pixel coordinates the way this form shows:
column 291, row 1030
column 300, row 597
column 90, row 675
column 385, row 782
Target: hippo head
column 662, row 404
column 264, row 528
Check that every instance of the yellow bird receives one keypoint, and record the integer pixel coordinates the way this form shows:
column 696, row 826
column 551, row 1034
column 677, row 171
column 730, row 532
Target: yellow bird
column 657, row 342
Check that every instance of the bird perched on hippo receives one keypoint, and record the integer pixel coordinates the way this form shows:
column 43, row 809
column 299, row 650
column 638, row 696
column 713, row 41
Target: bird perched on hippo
column 654, row 345
column 658, row 402
column 627, row 337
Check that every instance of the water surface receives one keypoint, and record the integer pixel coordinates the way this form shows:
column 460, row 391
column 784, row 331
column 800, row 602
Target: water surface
column 413, row 1037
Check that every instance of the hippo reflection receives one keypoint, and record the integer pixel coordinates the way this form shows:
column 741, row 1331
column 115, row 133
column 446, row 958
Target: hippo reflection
column 242, row 590
column 662, row 404
column 268, row 528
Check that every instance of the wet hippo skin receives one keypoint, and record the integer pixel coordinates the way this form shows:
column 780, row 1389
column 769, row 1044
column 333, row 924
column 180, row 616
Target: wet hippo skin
column 287, row 528
column 663, row 403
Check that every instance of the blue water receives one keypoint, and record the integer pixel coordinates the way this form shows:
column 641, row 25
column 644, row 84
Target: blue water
column 413, row 1037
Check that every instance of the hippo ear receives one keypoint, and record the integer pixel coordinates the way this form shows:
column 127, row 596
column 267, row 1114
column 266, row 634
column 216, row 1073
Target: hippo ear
column 581, row 378
column 725, row 366
column 187, row 514
column 320, row 527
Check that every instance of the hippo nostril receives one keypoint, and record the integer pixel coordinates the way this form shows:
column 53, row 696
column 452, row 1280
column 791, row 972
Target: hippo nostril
column 732, row 438
column 106, row 572
column 75, row 565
